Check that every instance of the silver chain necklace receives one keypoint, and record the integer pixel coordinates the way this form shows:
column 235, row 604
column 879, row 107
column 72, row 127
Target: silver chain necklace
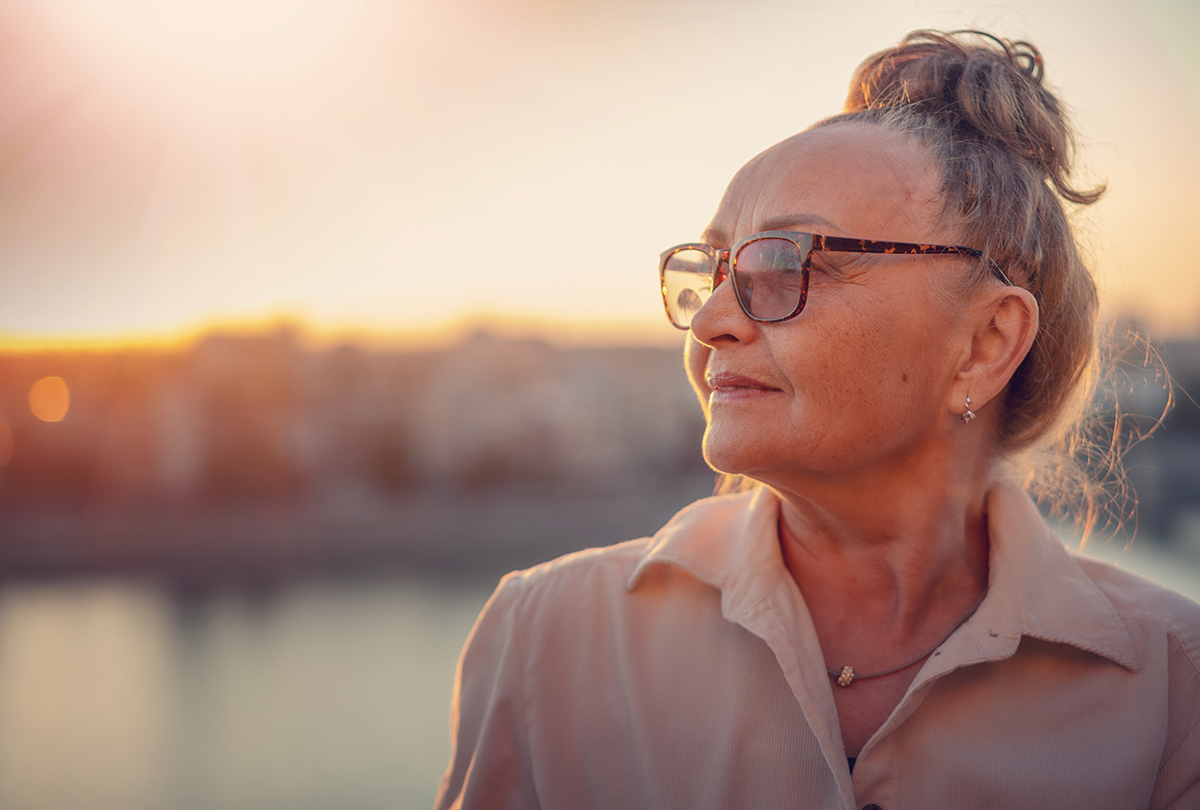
column 846, row 675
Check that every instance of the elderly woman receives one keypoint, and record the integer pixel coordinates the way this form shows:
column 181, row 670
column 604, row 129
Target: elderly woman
column 885, row 308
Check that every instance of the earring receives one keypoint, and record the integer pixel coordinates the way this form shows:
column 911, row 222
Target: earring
column 970, row 414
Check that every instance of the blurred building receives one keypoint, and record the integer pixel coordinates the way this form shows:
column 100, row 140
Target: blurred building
column 264, row 417
column 179, row 453
column 1158, row 403
column 268, row 452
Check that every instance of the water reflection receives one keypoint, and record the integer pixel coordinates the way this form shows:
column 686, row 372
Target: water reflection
column 121, row 695
column 84, row 697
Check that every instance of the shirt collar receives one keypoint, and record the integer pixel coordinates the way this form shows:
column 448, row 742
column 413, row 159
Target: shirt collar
column 1035, row 589
column 730, row 542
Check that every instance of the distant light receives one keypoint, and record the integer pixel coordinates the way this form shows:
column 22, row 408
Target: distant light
column 50, row 399
column 6, row 444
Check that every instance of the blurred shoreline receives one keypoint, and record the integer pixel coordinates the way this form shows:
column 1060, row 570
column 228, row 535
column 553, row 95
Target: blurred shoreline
column 435, row 532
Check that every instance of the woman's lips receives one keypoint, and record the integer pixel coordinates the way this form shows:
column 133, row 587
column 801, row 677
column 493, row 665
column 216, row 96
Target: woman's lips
column 727, row 386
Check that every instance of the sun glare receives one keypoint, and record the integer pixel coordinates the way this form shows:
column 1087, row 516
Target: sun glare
column 179, row 162
column 50, row 399
column 230, row 38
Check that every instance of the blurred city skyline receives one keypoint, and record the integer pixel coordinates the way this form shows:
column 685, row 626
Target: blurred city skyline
column 404, row 172
column 265, row 455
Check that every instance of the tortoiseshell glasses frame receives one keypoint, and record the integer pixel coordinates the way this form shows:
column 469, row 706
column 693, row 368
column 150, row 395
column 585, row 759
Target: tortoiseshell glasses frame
column 769, row 270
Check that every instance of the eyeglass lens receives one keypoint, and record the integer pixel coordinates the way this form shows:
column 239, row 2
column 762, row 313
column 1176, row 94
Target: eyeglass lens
column 770, row 280
column 687, row 283
column 768, row 275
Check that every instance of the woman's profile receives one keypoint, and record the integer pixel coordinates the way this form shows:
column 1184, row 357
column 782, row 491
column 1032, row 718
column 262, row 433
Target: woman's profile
column 886, row 309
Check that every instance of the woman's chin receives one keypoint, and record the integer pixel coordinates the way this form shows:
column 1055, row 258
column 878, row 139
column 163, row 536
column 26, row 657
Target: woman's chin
column 730, row 460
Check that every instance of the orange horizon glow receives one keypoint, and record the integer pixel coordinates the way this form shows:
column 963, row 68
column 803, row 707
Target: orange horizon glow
column 612, row 332
column 317, row 336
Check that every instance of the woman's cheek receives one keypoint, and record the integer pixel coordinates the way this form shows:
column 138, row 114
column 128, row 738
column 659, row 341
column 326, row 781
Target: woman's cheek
column 695, row 360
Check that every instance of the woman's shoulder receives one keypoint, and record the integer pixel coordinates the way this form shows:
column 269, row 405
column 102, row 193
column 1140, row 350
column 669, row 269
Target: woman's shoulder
column 611, row 569
column 573, row 569
column 1143, row 604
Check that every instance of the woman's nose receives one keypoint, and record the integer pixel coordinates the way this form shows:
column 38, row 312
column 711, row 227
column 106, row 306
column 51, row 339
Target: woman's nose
column 720, row 320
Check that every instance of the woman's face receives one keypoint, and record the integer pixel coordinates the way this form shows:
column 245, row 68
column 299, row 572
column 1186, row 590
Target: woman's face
column 859, row 380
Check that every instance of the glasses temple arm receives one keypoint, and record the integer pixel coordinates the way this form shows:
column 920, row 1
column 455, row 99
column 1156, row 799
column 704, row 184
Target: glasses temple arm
column 839, row 244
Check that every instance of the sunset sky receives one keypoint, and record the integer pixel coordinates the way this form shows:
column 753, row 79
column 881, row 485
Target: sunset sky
column 417, row 165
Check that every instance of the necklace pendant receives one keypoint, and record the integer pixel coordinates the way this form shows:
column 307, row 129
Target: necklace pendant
column 846, row 676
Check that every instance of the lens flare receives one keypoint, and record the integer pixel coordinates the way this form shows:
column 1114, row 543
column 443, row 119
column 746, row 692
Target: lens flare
column 50, row 399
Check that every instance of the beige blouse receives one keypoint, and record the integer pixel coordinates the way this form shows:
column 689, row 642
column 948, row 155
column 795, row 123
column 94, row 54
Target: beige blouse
column 683, row 671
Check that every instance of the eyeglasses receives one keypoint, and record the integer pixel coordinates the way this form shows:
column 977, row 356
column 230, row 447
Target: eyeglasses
column 769, row 271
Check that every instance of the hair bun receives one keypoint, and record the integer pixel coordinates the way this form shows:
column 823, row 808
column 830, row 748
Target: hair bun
column 980, row 86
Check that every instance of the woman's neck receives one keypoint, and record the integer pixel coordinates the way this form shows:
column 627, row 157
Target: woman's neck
column 897, row 548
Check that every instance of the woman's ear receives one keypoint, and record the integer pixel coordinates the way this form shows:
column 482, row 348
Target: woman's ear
column 1004, row 326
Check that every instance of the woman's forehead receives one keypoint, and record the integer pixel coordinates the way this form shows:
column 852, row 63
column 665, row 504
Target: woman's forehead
column 840, row 178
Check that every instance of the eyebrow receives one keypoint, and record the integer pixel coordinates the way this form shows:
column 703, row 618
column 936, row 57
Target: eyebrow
column 783, row 222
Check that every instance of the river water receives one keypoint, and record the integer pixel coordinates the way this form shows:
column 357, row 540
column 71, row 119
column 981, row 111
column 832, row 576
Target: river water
column 324, row 695
column 327, row 694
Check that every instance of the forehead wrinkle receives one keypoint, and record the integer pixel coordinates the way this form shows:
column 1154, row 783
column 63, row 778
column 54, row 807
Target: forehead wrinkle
column 745, row 178
column 787, row 222
column 768, row 194
column 911, row 172
column 918, row 179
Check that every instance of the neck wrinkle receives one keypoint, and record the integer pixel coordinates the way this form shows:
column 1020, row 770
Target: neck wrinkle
column 927, row 555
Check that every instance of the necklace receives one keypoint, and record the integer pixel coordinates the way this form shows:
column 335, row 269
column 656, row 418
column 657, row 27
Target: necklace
column 846, row 675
